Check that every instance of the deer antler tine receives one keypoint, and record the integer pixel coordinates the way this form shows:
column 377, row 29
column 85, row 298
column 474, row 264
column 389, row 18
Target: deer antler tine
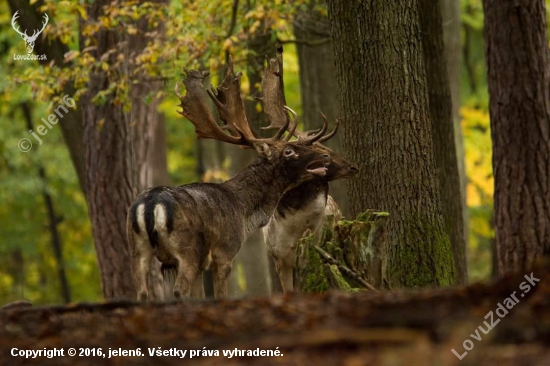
column 317, row 136
column 332, row 133
column 294, row 121
column 282, row 130
column 177, row 91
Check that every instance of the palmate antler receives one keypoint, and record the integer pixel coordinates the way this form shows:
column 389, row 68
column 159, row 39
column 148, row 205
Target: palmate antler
column 230, row 106
column 274, row 103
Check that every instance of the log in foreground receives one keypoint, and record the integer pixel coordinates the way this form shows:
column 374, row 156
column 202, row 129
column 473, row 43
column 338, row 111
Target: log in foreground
column 366, row 328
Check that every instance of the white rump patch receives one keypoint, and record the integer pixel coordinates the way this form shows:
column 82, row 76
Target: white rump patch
column 140, row 213
column 160, row 217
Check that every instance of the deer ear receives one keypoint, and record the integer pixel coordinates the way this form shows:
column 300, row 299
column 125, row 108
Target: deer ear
column 263, row 150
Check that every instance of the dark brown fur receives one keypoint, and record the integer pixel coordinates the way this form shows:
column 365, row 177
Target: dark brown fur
column 212, row 220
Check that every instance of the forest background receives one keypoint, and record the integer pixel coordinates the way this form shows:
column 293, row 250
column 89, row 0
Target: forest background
column 44, row 223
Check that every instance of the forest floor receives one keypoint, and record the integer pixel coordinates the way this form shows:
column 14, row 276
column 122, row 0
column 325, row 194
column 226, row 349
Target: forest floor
column 392, row 328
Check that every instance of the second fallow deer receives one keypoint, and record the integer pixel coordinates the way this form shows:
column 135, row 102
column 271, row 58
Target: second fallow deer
column 305, row 206
column 198, row 225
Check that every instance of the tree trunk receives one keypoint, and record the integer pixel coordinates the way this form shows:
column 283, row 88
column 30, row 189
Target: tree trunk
column 518, row 78
column 149, row 136
column 318, row 84
column 441, row 115
column 117, row 153
column 450, row 14
column 387, row 132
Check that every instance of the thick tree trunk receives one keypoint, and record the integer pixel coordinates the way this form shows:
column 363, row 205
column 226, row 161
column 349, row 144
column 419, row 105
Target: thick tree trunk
column 387, row 131
column 418, row 328
column 441, row 115
column 318, row 87
column 149, row 136
column 118, row 156
column 518, row 77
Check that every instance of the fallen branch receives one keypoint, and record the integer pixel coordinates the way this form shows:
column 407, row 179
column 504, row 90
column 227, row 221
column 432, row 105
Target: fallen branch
column 345, row 270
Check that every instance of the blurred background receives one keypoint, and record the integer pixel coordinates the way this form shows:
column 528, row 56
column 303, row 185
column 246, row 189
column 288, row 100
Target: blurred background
column 47, row 253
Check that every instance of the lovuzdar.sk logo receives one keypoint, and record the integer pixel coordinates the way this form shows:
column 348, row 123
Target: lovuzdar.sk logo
column 29, row 40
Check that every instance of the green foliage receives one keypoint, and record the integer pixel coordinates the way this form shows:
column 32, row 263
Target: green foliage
column 197, row 34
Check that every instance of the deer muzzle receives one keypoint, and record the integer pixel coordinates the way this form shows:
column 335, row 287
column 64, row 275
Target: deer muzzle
column 319, row 166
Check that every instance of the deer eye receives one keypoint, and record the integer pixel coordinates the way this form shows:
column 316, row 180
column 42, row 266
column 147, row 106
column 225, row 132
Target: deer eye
column 289, row 152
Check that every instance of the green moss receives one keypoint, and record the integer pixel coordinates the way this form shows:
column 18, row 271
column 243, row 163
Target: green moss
column 336, row 278
column 316, row 276
column 424, row 256
column 310, row 268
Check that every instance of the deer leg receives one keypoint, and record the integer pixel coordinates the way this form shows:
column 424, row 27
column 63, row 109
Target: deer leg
column 285, row 275
column 141, row 259
column 185, row 278
column 221, row 273
column 198, row 288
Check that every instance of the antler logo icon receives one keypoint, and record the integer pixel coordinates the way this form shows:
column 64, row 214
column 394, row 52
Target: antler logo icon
column 29, row 40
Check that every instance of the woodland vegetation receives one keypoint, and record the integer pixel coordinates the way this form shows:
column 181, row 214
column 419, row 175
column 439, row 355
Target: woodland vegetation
column 444, row 109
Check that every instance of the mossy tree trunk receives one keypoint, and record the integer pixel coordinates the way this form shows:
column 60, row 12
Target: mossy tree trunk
column 387, row 131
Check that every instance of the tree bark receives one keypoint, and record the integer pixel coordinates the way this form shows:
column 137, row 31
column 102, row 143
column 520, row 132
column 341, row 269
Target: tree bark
column 387, row 131
column 317, row 83
column 148, row 135
column 450, row 16
column 518, row 78
column 443, row 130
column 118, row 147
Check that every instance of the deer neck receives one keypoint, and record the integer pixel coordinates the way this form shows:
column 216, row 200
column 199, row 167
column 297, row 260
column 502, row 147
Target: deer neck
column 258, row 189
column 301, row 197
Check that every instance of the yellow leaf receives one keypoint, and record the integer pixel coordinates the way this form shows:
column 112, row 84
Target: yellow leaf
column 227, row 44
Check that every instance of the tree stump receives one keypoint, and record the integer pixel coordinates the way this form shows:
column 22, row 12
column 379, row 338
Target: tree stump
column 348, row 256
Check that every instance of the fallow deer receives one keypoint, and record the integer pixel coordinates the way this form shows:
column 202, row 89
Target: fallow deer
column 194, row 226
column 305, row 206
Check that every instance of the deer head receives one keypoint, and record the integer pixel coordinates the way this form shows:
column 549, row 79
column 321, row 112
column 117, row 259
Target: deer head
column 273, row 101
column 29, row 40
column 299, row 162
